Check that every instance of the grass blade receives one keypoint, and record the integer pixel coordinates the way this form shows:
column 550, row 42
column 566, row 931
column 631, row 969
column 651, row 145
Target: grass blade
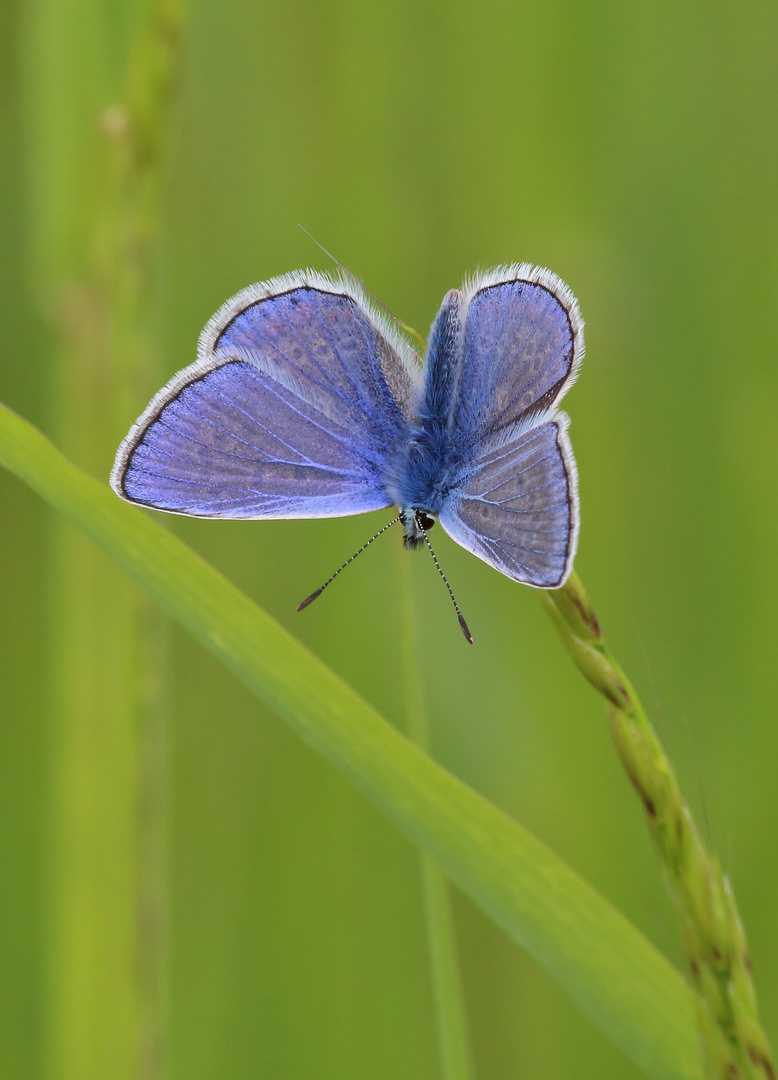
column 624, row 984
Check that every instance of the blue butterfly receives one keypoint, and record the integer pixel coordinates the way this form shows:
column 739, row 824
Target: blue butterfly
column 306, row 401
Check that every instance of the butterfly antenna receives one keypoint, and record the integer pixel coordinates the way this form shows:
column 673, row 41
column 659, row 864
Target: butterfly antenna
column 360, row 282
column 460, row 616
column 315, row 595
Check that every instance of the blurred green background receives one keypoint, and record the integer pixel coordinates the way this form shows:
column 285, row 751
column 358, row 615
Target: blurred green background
column 630, row 147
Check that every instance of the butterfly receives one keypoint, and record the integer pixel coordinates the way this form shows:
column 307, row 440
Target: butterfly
column 307, row 401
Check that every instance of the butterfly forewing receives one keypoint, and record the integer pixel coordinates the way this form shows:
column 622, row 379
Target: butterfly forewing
column 299, row 397
column 522, row 345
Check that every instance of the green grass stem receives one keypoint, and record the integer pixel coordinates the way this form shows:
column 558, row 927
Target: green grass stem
column 448, row 999
column 621, row 981
column 97, row 194
column 735, row 1045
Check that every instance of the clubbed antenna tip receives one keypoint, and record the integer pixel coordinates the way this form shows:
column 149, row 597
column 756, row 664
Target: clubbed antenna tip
column 310, row 599
column 462, row 623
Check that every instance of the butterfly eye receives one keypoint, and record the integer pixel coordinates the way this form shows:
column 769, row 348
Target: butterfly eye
column 424, row 520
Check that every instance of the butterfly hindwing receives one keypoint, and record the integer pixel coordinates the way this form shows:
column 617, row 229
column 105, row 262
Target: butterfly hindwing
column 299, row 396
column 517, row 506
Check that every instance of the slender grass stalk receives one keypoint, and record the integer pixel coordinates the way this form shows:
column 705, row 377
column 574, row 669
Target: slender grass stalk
column 617, row 978
column 97, row 266
column 450, row 1013
column 734, row 1044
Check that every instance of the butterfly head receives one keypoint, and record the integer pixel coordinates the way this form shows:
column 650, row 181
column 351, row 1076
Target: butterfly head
column 416, row 524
